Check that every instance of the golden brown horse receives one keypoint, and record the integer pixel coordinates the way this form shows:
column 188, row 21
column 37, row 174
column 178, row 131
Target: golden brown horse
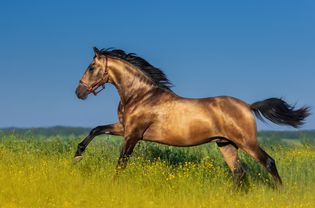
column 149, row 110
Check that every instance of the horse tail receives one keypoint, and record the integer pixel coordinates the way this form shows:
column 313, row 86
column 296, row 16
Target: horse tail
column 280, row 112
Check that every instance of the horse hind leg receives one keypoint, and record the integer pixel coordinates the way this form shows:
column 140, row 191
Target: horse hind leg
column 229, row 152
column 266, row 160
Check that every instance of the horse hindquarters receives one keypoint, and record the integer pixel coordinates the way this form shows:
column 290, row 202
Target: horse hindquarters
column 240, row 128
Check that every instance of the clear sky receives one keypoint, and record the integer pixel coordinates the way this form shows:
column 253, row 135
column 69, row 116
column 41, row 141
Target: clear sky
column 247, row 49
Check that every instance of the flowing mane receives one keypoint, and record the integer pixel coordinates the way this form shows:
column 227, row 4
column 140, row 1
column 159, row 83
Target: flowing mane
column 155, row 74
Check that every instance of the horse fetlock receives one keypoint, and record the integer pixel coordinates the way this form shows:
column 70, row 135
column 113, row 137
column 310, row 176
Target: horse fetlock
column 80, row 149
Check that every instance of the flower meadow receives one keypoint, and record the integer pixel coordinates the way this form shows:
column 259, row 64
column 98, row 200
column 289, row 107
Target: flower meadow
column 38, row 171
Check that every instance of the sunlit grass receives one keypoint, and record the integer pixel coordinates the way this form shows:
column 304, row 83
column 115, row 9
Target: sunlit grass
column 38, row 172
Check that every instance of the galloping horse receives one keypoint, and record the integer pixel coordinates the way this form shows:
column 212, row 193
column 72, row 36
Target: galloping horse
column 149, row 110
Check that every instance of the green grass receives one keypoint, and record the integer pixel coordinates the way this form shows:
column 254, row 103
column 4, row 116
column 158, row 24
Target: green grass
column 38, row 171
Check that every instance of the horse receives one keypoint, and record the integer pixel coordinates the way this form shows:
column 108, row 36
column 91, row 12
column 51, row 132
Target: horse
column 149, row 110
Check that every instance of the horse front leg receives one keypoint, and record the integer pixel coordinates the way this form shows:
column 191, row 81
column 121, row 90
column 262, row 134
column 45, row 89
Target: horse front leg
column 134, row 131
column 111, row 129
column 126, row 151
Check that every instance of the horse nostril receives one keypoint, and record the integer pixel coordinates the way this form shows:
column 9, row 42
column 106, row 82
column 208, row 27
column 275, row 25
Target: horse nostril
column 78, row 91
column 81, row 92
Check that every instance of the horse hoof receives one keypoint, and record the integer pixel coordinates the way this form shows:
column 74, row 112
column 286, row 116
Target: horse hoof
column 77, row 159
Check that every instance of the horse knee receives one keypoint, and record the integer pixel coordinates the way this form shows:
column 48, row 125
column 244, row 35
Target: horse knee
column 94, row 131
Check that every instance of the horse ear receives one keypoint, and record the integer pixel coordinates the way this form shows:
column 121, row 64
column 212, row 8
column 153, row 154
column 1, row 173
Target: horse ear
column 96, row 51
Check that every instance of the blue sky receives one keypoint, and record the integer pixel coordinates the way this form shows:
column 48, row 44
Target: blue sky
column 247, row 49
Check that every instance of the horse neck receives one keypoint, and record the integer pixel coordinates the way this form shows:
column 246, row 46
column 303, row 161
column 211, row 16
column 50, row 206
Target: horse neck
column 130, row 83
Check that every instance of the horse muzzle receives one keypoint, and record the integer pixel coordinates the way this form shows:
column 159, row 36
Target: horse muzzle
column 82, row 92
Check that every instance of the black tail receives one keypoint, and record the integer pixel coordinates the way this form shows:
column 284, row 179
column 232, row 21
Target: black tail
column 280, row 112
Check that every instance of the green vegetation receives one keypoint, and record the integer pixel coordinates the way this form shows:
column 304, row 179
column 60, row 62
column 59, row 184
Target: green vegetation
column 37, row 171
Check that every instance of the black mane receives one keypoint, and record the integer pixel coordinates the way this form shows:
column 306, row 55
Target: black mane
column 155, row 74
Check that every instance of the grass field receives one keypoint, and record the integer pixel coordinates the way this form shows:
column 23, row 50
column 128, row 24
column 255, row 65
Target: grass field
column 37, row 171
